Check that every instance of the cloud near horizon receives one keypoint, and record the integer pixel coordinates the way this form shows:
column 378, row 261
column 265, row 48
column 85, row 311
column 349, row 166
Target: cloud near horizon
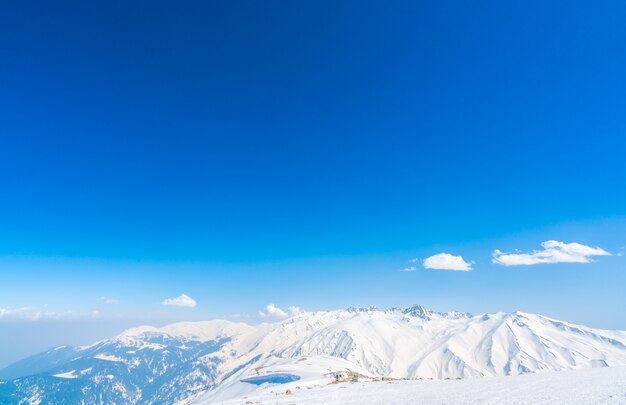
column 272, row 311
column 7, row 312
column 38, row 314
column 447, row 261
column 182, row 300
column 553, row 252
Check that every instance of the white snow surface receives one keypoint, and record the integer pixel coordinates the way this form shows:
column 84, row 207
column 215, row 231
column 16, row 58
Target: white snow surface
column 107, row 357
column 578, row 387
column 315, row 372
column 69, row 374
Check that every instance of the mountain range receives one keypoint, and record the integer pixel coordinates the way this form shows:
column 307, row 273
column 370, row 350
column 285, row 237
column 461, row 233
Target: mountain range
column 205, row 361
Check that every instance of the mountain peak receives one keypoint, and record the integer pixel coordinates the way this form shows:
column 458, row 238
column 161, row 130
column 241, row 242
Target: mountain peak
column 418, row 311
column 415, row 311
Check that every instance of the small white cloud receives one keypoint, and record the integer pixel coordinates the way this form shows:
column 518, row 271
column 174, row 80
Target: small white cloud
column 410, row 268
column 108, row 300
column 182, row 300
column 293, row 310
column 446, row 261
column 272, row 311
column 553, row 252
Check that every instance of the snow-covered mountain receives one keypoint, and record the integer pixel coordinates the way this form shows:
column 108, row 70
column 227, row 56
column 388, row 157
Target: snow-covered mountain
column 199, row 360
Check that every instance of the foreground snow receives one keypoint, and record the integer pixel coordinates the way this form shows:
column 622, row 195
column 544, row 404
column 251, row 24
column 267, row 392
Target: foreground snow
column 311, row 372
column 577, row 387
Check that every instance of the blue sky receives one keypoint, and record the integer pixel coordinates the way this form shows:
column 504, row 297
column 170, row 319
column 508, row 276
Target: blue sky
column 247, row 153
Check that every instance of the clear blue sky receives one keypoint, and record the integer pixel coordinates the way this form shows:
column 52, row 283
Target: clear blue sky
column 301, row 153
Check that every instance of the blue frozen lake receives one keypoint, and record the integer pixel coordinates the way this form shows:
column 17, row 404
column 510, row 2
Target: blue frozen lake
column 278, row 378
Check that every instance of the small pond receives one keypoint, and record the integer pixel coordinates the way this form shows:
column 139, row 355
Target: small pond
column 278, row 378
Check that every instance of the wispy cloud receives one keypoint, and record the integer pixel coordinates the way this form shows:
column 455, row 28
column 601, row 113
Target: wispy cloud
column 182, row 300
column 272, row 311
column 447, row 261
column 38, row 314
column 108, row 300
column 6, row 312
column 410, row 268
column 239, row 316
column 553, row 252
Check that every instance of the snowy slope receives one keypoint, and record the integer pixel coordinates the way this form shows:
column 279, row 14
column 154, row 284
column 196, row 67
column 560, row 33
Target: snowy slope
column 312, row 372
column 194, row 360
column 605, row 386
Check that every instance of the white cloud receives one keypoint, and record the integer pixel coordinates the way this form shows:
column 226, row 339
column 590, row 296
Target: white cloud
column 410, row 268
column 272, row 311
column 182, row 300
column 108, row 300
column 446, row 261
column 553, row 252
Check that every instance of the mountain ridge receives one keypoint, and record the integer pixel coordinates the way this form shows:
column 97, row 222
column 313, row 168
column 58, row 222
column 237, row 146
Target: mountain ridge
column 149, row 365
